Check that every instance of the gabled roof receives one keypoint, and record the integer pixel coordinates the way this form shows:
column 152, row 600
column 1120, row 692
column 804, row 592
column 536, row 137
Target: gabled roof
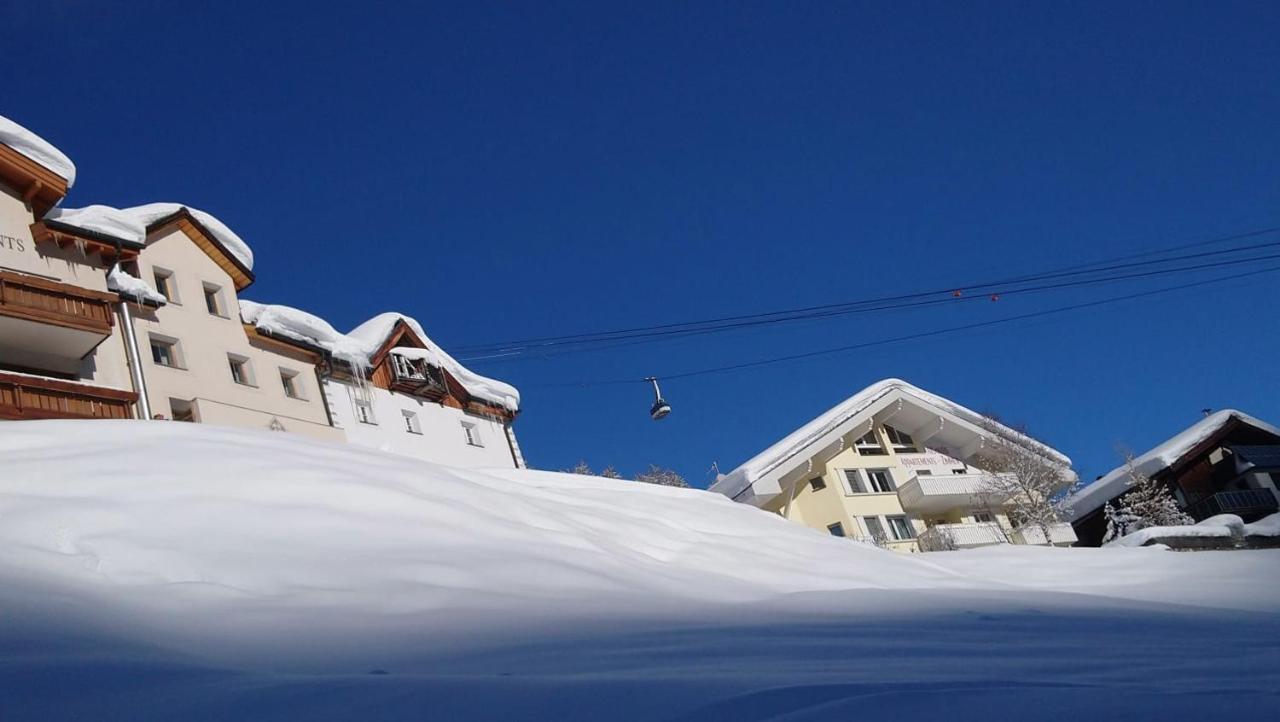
column 369, row 343
column 925, row 416
column 1188, row 443
column 213, row 237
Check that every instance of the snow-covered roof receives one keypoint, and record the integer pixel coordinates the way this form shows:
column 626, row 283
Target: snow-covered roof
column 37, row 149
column 1114, row 482
column 103, row 220
column 376, row 330
column 235, row 245
column 133, row 288
column 841, row 418
column 361, row 343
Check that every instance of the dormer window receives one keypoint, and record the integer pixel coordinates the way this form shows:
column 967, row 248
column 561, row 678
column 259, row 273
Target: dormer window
column 900, row 441
column 869, row 445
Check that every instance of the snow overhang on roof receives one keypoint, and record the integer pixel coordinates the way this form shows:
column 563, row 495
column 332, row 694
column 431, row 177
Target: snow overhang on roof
column 1155, row 460
column 34, row 167
column 361, row 344
column 224, row 242
column 930, row 419
column 102, row 223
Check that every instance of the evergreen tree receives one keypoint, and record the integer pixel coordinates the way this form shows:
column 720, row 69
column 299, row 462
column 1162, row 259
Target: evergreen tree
column 662, row 477
column 610, row 473
column 1147, row 503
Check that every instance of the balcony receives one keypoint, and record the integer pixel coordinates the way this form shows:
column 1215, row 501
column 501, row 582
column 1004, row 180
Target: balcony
column 417, row 377
column 935, row 494
column 24, row 397
column 944, row 537
column 1252, row 503
column 1060, row 534
column 50, row 318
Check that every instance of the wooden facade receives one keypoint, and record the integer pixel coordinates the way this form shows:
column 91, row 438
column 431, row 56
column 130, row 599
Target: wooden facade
column 442, row 388
column 25, row 397
column 44, row 301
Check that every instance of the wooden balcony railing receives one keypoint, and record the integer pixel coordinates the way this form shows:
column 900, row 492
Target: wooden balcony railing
column 417, row 377
column 25, row 397
column 60, row 304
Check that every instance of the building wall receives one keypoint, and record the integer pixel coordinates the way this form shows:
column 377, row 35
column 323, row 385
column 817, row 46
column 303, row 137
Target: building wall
column 839, row 503
column 204, row 378
column 106, row 365
column 442, row 440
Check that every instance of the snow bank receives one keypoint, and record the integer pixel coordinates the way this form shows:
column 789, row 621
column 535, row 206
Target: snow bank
column 1266, row 526
column 799, row 440
column 1116, row 481
column 37, row 149
column 105, row 220
column 152, row 212
column 133, row 288
column 359, row 346
column 1221, row 526
column 160, row 570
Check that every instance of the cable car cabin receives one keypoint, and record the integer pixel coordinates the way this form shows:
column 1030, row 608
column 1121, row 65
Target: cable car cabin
column 417, row 377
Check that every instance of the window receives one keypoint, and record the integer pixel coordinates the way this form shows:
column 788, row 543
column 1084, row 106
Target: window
column 880, row 480
column 924, row 472
column 875, row 529
column 983, row 517
column 817, row 483
column 411, row 422
column 901, row 528
column 164, row 352
column 853, row 482
column 836, row 529
column 364, row 411
column 165, row 284
column 292, row 384
column 472, row 434
column 182, row 410
column 213, row 300
column 900, row 441
column 869, row 445
column 241, row 372
column 959, row 471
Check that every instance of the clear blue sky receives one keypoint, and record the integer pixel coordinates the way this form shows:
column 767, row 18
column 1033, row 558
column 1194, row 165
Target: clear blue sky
column 504, row 172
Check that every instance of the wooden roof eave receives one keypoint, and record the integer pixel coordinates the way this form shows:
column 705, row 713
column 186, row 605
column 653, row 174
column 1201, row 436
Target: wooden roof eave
column 62, row 235
column 40, row 187
column 182, row 219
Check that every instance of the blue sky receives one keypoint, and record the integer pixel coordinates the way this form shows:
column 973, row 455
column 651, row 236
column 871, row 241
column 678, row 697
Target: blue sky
column 504, row 172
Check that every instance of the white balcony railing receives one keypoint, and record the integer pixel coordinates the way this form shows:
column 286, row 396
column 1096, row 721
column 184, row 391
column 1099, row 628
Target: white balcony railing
column 942, row 537
column 948, row 491
column 1060, row 533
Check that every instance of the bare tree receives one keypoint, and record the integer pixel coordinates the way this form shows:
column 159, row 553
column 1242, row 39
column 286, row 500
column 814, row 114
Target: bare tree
column 662, row 477
column 610, row 473
column 1027, row 478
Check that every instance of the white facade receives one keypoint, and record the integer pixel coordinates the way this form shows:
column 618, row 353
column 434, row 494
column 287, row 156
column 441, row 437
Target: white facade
column 428, row 430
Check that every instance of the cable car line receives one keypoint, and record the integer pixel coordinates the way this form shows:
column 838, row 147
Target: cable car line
column 919, row 335
column 540, row 352
column 523, row 346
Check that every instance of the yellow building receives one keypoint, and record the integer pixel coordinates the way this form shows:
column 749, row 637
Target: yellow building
column 894, row 465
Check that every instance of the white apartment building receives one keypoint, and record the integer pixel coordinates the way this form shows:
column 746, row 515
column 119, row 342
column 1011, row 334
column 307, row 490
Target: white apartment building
column 388, row 386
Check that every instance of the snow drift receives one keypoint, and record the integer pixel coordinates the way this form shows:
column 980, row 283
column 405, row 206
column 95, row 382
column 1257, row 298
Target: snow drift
column 177, row 571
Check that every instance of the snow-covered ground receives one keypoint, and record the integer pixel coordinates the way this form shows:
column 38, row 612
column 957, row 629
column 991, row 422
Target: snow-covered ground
column 157, row 570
